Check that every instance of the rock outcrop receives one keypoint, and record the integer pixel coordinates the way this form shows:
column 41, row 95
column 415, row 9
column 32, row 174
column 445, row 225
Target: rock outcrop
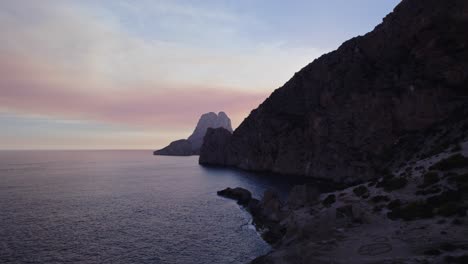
column 267, row 213
column 192, row 145
column 241, row 195
column 214, row 145
column 342, row 116
column 421, row 221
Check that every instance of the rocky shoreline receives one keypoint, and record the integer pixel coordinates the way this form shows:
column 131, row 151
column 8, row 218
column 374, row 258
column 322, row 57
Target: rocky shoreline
column 417, row 214
column 384, row 115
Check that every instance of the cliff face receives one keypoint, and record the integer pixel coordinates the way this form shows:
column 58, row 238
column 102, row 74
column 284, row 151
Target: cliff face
column 340, row 116
column 192, row 145
column 214, row 145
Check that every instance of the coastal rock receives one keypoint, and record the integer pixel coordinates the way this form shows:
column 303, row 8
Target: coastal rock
column 302, row 195
column 271, row 206
column 266, row 213
column 214, row 147
column 192, row 145
column 241, row 195
column 180, row 147
column 343, row 116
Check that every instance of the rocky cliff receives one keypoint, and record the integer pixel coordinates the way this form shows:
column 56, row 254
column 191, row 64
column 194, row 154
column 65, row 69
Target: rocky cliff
column 192, row 145
column 342, row 116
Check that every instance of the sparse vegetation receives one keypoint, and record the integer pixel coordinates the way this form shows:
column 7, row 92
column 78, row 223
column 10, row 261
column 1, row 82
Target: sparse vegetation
column 432, row 190
column 331, row 199
column 444, row 198
column 461, row 181
column 430, row 178
column 380, row 198
column 394, row 204
column 377, row 208
column 446, row 204
column 450, row 209
column 456, row 148
column 361, row 191
column 453, row 162
column 432, row 252
column 391, row 184
column 457, row 259
column 412, row 211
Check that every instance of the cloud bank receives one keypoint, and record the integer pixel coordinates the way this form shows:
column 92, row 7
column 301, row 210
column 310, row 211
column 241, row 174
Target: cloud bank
column 76, row 60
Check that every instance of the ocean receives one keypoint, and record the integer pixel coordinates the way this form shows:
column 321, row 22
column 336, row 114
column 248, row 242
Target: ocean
column 123, row 207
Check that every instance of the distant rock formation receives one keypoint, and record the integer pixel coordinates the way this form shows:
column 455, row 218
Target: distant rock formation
column 343, row 116
column 192, row 145
column 208, row 120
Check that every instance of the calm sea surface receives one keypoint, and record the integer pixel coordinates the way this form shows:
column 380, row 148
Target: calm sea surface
column 122, row 207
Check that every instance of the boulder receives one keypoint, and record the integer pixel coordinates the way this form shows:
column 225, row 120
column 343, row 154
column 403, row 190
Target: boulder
column 241, row 195
column 213, row 148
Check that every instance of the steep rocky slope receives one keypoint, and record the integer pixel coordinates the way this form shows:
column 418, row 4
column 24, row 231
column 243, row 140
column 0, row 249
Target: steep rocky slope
column 192, row 145
column 343, row 116
column 416, row 214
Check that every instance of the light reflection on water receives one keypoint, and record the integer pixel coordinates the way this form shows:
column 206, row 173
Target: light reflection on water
column 123, row 207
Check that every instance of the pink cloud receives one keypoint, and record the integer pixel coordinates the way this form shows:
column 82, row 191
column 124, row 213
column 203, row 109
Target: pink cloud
column 29, row 86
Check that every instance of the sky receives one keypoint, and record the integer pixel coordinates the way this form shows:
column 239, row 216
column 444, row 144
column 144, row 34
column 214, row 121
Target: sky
column 137, row 74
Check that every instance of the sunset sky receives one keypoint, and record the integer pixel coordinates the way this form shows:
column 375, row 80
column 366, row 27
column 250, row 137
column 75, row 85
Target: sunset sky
column 137, row 74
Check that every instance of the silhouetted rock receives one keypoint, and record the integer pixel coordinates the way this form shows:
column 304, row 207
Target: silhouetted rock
column 208, row 120
column 180, row 147
column 214, row 147
column 192, row 145
column 241, row 195
column 342, row 116
column 302, row 195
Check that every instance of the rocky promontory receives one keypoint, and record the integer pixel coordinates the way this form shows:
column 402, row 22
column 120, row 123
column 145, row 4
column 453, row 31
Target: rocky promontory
column 345, row 116
column 192, row 145
column 416, row 213
column 385, row 116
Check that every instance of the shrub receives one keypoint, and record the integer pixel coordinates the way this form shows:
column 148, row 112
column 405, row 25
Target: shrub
column 431, row 178
column 432, row 190
column 380, row 198
column 432, row 252
column 331, row 199
column 449, row 209
column 394, row 204
column 391, row 184
column 456, row 148
column 444, row 198
column 457, row 259
column 360, row 191
column 453, row 162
